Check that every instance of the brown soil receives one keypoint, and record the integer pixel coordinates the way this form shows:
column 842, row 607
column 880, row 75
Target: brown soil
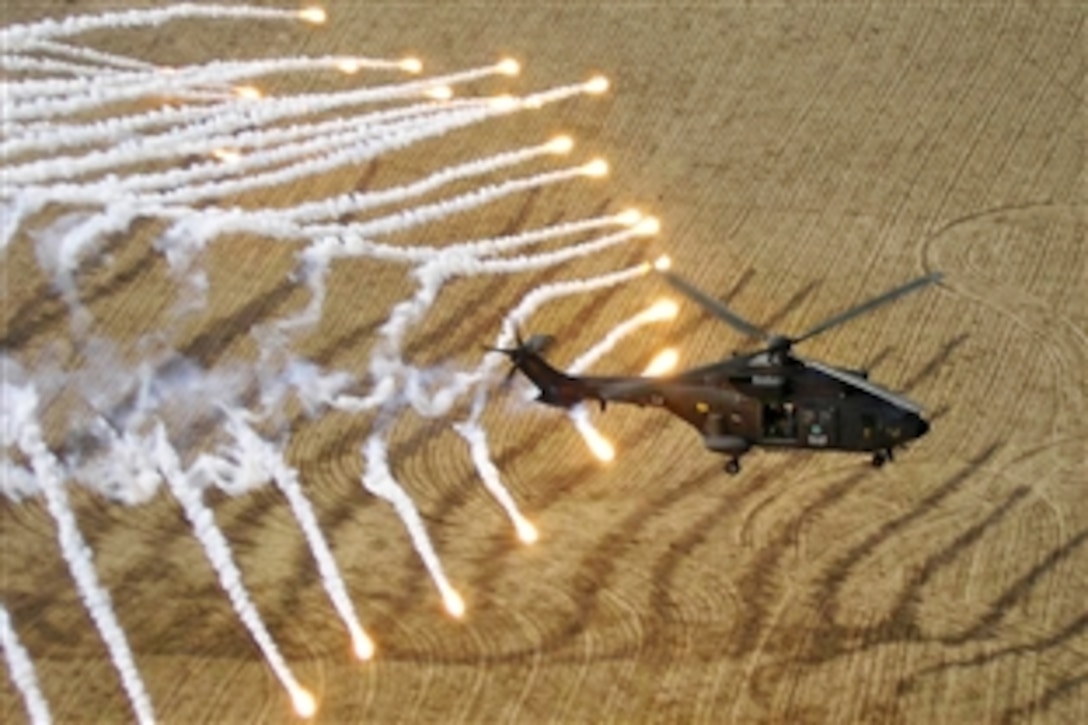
column 800, row 157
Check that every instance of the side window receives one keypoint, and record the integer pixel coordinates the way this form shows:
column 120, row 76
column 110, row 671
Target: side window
column 868, row 425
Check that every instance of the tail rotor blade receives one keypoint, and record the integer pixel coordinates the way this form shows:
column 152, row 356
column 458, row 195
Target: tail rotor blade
column 508, row 377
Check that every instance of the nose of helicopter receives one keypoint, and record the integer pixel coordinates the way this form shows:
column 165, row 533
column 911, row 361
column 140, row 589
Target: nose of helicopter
column 921, row 426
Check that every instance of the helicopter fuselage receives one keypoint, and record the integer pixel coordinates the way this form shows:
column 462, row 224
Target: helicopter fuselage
column 769, row 398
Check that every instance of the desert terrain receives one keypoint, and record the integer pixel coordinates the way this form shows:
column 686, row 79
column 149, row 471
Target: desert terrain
column 800, row 157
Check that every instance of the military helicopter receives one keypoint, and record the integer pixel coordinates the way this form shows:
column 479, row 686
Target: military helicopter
column 769, row 397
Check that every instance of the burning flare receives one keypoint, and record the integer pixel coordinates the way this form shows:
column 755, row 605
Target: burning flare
column 508, row 67
column 599, row 446
column 362, row 644
column 663, row 363
column 304, row 702
column 526, row 531
column 561, row 145
column 454, row 604
column 596, row 85
column 439, row 93
column 663, row 310
column 250, row 92
column 596, row 168
column 314, row 15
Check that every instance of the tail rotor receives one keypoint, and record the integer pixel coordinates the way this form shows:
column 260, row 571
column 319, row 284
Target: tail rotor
column 535, row 345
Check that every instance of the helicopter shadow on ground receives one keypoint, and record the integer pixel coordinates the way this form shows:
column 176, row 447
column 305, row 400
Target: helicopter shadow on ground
column 1064, row 688
column 756, row 583
column 830, row 640
column 784, row 651
column 984, row 631
column 931, row 366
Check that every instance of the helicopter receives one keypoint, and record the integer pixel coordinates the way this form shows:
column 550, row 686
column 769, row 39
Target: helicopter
column 769, row 397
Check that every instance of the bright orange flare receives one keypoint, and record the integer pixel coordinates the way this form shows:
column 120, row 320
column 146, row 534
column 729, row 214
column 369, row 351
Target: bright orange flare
column 663, row 310
column 314, row 15
column 599, row 446
column 596, row 168
column 508, row 67
column 526, row 531
column 412, row 65
column 663, row 262
column 439, row 93
column 630, row 217
column 503, row 103
column 227, row 156
column 596, row 85
column 349, row 66
column 363, row 645
column 304, row 702
column 648, row 227
column 455, row 605
column 561, row 145
column 663, row 363
column 248, row 92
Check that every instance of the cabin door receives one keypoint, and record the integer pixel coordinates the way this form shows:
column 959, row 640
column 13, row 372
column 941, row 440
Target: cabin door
column 780, row 423
column 816, row 427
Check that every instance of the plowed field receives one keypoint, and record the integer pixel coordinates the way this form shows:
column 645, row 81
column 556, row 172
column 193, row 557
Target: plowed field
column 801, row 157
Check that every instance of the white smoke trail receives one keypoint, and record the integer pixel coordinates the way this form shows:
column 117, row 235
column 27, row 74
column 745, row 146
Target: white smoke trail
column 21, row 669
column 385, row 363
column 15, row 38
column 579, row 414
column 387, row 139
column 185, row 162
column 378, row 479
column 600, row 446
column 51, row 65
column 352, row 245
column 660, row 311
column 288, row 223
column 540, row 261
column 20, row 411
column 418, row 216
column 92, row 55
column 361, row 201
column 471, row 429
column 185, row 123
column 86, row 93
column 264, row 461
column 531, row 302
column 219, row 556
column 476, row 437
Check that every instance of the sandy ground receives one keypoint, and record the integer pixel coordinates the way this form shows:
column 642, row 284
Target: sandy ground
column 800, row 157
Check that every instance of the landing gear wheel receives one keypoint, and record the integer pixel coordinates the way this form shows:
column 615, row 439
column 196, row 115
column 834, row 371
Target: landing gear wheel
column 732, row 466
column 879, row 459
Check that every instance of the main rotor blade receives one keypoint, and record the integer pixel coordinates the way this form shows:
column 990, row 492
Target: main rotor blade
column 713, row 306
column 869, row 306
